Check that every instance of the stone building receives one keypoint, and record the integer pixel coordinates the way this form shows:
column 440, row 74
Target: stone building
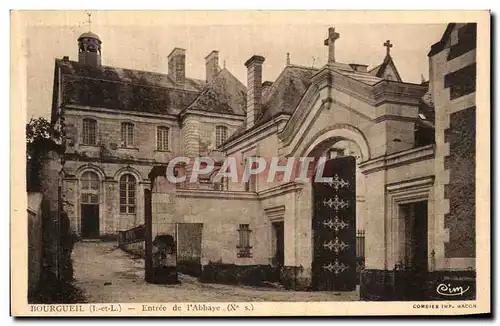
column 118, row 123
column 385, row 141
column 452, row 71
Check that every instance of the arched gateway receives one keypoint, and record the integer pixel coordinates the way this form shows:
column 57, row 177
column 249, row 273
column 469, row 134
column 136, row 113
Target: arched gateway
column 336, row 187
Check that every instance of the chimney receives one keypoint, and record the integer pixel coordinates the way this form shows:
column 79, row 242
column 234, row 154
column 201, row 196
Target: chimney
column 212, row 65
column 359, row 67
column 254, row 88
column 177, row 65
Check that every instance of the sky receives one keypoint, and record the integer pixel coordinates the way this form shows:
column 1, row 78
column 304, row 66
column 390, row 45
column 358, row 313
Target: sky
column 143, row 40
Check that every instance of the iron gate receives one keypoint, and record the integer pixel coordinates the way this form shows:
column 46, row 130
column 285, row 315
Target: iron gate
column 334, row 227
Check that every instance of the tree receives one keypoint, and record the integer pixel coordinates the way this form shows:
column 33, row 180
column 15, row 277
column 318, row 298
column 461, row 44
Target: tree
column 41, row 137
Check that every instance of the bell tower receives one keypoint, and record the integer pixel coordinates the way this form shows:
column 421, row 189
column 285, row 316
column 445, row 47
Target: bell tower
column 89, row 47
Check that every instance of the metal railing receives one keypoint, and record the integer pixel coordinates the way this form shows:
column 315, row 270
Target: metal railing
column 360, row 243
column 134, row 235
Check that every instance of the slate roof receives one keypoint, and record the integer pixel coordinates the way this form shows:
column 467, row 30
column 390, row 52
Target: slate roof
column 283, row 95
column 125, row 89
column 223, row 94
column 443, row 42
column 286, row 92
column 379, row 70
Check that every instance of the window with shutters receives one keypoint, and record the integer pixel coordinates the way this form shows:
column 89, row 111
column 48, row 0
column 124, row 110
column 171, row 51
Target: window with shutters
column 220, row 135
column 162, row 138
column 244, row 241
column 89, row 185
column 127, row 194
column 89, row 131
column 127, row 132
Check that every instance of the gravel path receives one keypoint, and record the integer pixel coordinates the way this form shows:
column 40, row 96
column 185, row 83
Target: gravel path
column 106, row 274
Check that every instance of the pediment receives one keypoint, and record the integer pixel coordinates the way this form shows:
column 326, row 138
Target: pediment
column 329, row 91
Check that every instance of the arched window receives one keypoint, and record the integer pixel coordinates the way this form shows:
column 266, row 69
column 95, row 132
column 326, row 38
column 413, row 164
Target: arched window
column 162, row 138
column 220, row 135
column 89, row 184
column 89, row 131
column 127, row 194
column 127, row 132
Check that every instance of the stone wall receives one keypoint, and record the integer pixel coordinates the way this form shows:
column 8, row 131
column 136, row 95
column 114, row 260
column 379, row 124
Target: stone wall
column 49, row 177
column 108, row 137
column 455, row 240
column 221, row 214
column 111, row 220
column 35, row 242
column 461, row 191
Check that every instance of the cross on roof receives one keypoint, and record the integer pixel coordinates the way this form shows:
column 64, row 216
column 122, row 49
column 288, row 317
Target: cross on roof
column 330, row 42
column 388, row 46
column 89, row 20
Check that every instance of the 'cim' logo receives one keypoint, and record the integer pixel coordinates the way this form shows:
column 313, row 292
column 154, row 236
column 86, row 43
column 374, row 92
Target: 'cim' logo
column 448, row 290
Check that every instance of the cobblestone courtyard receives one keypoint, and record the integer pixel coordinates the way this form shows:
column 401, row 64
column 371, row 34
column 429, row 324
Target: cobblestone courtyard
column 106, row 274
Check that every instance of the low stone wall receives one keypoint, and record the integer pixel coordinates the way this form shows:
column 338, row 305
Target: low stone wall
column 189, row 266
column 256, row 275
column 385, row 285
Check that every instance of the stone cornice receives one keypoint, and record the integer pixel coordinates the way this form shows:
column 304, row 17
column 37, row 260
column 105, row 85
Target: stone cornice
column 188, row 111
column 276, row 213
column 215, row 194
column 279, row 190
column 258, row 131
column 424, row 182
column 378, row 94
column 395, row 92
column 397, row 159
column 77, row 157
column 83, row 108
column 393, row 117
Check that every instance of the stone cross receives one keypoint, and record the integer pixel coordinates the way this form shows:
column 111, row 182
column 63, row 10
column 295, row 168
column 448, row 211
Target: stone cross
column 330, row 42
column 388, row 45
